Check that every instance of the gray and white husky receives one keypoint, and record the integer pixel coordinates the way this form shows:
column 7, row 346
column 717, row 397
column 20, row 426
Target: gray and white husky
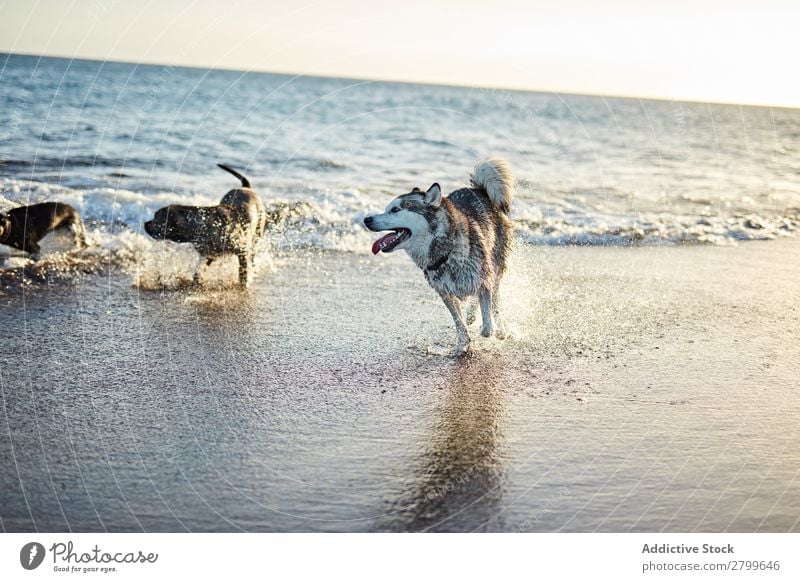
column 461, row 242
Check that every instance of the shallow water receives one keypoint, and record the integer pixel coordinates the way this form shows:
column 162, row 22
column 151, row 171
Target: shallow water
column 642, row 389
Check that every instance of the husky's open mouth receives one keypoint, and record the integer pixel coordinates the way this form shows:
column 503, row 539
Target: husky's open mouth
column 388, row 242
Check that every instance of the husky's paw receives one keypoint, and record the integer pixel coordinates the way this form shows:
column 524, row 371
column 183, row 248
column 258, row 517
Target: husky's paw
column 500, row 334
column 487, row 331
column 461, row 349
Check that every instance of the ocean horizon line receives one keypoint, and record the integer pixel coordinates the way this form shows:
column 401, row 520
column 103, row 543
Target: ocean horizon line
column 357, row 79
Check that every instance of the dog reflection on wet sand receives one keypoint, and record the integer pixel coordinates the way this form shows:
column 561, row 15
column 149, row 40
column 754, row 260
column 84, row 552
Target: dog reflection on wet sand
column 460, row 474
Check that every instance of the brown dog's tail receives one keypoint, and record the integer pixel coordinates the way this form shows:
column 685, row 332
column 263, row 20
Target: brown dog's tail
column 245, row 181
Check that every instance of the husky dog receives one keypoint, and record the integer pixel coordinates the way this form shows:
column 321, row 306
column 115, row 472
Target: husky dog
column 234, row 226
column 23, row 227
column 461, row 242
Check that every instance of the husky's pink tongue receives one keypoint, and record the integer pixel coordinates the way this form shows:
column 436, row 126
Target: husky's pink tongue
column 381, row 243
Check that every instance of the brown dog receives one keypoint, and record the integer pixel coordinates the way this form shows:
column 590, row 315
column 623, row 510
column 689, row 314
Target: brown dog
column 22, row 228
column 234, row 226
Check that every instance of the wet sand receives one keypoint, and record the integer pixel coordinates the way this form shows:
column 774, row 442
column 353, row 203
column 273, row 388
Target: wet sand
column 643, row 389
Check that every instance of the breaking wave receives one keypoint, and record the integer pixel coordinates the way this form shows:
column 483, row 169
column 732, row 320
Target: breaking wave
column 320, row 220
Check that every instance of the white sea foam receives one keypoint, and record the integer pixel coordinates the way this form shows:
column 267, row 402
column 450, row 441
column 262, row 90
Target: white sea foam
column 567, row 226
column 331, row 221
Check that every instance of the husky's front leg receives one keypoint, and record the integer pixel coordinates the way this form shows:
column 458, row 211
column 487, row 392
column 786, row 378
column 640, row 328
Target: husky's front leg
column 462, row 335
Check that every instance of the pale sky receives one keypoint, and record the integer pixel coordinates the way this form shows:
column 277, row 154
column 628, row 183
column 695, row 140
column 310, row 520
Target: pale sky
column 739, row 51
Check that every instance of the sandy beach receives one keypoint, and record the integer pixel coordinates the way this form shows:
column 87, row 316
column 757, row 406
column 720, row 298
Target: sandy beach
column 643, row 389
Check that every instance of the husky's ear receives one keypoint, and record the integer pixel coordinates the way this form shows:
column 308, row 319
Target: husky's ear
column 433, row 197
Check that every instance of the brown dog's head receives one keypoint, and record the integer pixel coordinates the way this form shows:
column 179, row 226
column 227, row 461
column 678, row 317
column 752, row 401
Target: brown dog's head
column 5, row 226
column 171, row 223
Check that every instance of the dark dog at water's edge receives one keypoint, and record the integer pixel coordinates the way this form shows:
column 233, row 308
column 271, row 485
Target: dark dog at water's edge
column 233, row 227
column 24, row 227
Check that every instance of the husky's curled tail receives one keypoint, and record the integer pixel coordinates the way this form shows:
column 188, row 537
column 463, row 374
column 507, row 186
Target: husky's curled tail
column 494, row 176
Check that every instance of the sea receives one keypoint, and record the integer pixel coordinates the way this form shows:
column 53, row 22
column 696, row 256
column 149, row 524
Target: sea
column 119, row 140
